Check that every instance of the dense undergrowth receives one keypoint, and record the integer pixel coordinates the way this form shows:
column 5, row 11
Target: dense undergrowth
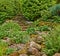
column 8, row 9
column 52, row 41
column 31, row 10
column 13, row 30
column 3, row 47
column 45, row 16
column 34, row 9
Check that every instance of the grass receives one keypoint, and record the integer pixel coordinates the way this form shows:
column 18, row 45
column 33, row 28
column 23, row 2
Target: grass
column 52, row 41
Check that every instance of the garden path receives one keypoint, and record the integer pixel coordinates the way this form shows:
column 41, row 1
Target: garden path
column 22, row 22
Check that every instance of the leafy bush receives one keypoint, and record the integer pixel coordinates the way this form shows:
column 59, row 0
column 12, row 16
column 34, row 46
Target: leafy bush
column 52, row 42
column 56, row 19
column 52, row 14
column 31, row 9
column 8, row 28
column 21, row 37
column 55, row 10
column 8, row 9
column 44, row 28
column 9, row 51
column 31, row 30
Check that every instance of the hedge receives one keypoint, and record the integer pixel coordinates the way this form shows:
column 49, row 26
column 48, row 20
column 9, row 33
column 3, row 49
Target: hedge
column 32, row 9
column 8, row 9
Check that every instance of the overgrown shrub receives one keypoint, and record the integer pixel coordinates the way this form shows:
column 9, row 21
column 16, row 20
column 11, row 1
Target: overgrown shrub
column 8, row 9
column 52, row 42
column 55, row 10
column 31, row 9
column 52, row 14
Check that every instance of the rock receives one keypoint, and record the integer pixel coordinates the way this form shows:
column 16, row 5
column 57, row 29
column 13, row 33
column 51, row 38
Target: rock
column 57, row 54
column 35, row 45
column 8, row 40
column 14, row 54
column 43, row 45
column 13, row 46
column 40, row 39
column 22, row 51
column 32, row 55
column 33, row 51
column 33, row 37
column 17, row 46
column 44, row 55
column 20, row 46
column 23, row 55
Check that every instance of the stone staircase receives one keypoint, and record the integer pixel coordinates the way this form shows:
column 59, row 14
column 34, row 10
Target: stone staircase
column 24, row 24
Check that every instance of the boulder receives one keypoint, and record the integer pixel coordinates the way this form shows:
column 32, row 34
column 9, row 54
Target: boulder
column 56, row 54
column 14, row 54
column 23, row 55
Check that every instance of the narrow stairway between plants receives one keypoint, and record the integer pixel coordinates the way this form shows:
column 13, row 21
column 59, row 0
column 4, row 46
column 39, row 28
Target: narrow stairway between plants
column 24, row 24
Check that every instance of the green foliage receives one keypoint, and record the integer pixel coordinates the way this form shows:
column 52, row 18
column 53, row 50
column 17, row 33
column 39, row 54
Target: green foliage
column 44, row 28
column 8, row 29
column 55, row 10
column 52, row 41
column 31, row 9
column 56, row 19
column 31, row 30
column 3, row 47
column 9, row 51
column 51, row 15
column 46, row 15
column 22, row 37
column 13, row 30
column 8, row 9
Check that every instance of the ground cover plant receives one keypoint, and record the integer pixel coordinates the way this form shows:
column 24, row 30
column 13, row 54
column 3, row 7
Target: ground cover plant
column 52, row 41
column 8, row 28
column 3, row 47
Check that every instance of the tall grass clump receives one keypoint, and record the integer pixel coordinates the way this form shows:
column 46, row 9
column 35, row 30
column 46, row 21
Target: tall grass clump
column 52, row 42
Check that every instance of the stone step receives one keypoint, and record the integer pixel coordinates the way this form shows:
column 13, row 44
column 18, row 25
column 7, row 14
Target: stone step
column 24, row 27
column 22, row 22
